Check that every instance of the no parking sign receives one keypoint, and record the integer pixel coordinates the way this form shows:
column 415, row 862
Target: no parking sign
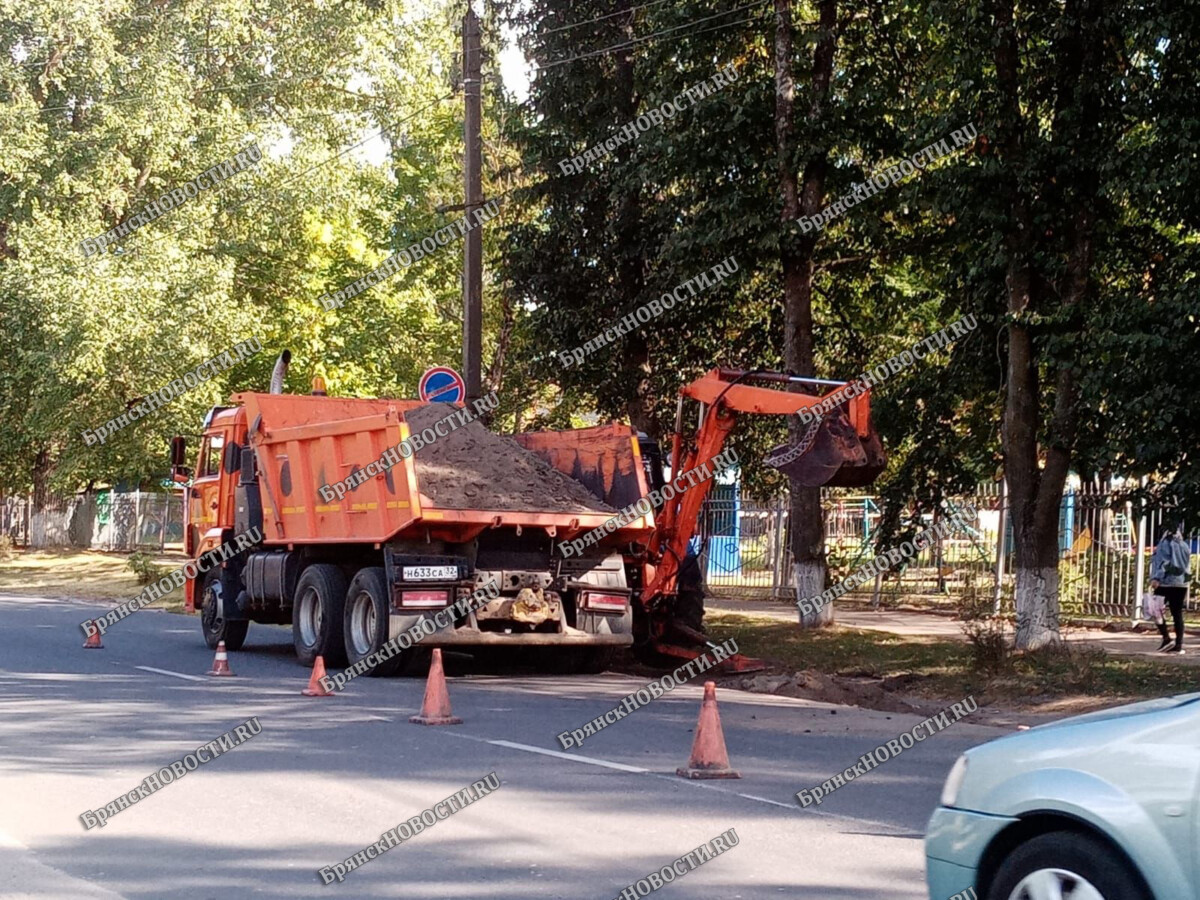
column 441, row 384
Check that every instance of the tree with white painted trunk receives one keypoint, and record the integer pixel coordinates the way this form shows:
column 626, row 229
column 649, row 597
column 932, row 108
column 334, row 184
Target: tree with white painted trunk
column 803, row 196
column 1041, row 400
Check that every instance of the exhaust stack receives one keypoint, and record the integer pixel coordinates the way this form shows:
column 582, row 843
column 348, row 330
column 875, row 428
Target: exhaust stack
column 280, row 372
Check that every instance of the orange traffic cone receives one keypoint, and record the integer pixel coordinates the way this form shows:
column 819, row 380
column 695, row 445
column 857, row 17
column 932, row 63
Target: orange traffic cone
column 221, row 661
column 709, row 756
column 315, row 686
column 435, row 709
column 93, row 641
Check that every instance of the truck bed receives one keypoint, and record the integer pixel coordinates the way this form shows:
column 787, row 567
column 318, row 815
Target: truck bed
column 467, row 481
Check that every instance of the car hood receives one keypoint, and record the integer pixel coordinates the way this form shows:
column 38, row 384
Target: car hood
column 1159, row 704
column 1081, row 743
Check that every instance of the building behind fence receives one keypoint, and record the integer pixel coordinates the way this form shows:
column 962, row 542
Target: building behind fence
column 97, row 520
column 1104, row 552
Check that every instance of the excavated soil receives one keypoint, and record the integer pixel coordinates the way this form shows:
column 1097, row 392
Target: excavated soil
column 473, row 468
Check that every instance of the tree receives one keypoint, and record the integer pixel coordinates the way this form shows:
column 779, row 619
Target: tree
column 803, row 196
column 1076, row 105
column 106, row 111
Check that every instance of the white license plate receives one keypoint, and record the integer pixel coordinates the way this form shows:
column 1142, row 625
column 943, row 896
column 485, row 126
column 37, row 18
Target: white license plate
column 430, row 573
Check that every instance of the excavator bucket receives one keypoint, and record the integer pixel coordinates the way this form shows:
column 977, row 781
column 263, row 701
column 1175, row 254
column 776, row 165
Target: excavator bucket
column 831, row 452
column 864, row 473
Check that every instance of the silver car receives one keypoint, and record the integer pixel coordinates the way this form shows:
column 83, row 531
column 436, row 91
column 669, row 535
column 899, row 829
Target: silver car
column 1103, row 806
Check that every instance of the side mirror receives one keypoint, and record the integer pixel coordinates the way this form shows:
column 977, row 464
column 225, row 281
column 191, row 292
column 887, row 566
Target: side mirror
column 180, row 473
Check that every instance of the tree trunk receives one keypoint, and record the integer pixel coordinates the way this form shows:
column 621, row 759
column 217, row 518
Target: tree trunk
column 42, row 468
column 1036, row 488
column 631, row 274
column 805, row 197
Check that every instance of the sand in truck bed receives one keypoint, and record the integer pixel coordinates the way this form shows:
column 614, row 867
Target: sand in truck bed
column 473, row 468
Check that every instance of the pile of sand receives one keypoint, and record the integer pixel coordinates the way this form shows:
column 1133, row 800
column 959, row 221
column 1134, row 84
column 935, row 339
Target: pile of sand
column 472, row 468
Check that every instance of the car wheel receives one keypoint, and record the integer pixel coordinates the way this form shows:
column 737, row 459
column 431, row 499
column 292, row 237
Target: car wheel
column 317, row 615
column 217, row 630
column 366, row 620
column 1063, row 865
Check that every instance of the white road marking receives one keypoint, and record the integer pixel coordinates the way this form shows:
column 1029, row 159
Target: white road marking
column 172, row 674
column 575, row 757
column 765, row 800
column 886, row 828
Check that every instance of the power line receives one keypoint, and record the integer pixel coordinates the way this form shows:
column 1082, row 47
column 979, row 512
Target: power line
column 601, row 18
column 657, row 34
column 532, row 102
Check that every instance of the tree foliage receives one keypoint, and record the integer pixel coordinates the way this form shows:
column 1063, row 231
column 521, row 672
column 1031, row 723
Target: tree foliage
column 107, row 106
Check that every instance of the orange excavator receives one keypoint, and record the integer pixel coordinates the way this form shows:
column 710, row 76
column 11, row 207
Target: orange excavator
column 352, row 569
column 838, row 449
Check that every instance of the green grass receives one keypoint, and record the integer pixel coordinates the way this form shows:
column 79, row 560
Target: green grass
column 941, row 669
column 82, row 574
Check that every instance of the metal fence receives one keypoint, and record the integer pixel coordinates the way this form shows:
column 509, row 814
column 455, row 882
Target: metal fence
column 1104, row 552
column 104, row 520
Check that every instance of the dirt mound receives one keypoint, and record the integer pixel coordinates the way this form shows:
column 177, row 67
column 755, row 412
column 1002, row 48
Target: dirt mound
column 472, row 468
column 812, row 685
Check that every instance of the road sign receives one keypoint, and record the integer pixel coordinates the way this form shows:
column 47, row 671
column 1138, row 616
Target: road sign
column 442, row 384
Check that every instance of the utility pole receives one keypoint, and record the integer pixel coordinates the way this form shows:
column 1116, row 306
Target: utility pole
column 473, row 184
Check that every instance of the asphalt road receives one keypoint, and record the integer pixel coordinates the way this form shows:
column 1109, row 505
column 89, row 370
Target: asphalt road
column 327, row 776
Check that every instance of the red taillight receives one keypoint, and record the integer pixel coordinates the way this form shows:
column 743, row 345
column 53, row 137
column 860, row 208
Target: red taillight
column 598, row 602
column 424, row 598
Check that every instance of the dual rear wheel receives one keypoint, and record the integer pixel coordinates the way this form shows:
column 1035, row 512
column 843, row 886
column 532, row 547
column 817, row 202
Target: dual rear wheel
column 344, row 623
column 366, row 620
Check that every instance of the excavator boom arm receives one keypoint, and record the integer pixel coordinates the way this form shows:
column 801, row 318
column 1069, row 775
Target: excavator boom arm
column 725, row 394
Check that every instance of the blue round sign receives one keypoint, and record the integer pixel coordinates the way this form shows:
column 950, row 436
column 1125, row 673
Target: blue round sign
column 442, row 384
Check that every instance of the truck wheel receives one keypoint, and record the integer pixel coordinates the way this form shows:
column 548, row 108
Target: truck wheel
column 366, row 620
column 576, row 660
column 317, row 615
column 597, row 659
column 217, row 630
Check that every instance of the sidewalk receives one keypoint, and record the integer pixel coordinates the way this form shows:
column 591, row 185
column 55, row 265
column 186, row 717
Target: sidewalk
column 942, row 627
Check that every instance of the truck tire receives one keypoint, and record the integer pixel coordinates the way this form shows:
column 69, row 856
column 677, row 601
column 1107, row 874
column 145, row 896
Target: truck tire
column 594, row 660
column 217, row 630
column 317, row 615
column 690, row 592
column 576, row 660
column 366, row 620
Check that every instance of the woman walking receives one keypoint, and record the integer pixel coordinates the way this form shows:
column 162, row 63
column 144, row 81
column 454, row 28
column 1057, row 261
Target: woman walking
column 1169, row 571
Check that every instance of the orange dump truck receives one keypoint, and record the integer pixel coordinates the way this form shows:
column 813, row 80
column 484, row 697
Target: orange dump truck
column 470, row 508
column 353, row 554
